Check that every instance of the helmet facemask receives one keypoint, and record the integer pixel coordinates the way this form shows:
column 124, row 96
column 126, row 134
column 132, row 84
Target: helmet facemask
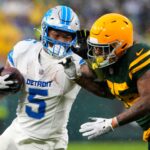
column 57, row 48
column 102, row 55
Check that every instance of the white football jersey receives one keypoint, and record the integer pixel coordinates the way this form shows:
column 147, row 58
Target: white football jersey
column 45, row 103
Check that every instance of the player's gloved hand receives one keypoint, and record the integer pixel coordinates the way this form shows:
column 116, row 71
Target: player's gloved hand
column 4, row 81
column 69, row 68
column 81, row 46
column 97, row 127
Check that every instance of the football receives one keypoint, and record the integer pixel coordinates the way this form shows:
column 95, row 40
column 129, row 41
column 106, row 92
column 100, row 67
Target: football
column 16, row 76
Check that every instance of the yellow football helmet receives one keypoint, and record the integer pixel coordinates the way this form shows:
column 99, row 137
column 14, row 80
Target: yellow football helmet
column 109, row 38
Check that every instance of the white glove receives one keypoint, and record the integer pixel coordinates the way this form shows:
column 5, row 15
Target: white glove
column 99, row 126
column 3, row 83
column 70, row 68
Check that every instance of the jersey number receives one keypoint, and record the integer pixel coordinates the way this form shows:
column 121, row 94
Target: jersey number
column 42, row 105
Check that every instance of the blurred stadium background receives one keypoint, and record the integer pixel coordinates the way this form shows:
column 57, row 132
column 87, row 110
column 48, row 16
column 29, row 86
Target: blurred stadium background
column 18, row 18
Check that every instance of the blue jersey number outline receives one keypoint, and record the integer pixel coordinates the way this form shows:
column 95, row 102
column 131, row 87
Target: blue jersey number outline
column 42, row 105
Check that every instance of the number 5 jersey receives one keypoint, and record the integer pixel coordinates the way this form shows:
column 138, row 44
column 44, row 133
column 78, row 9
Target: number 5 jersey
column 48, row 95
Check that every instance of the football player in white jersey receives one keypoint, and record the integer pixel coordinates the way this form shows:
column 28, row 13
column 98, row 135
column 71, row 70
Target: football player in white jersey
column 48, row 94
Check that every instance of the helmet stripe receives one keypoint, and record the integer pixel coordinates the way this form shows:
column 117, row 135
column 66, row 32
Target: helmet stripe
column 68, row 16
column 65, row 15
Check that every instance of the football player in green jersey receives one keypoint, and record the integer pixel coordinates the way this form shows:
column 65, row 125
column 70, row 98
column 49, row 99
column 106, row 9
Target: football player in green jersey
column 126, row 74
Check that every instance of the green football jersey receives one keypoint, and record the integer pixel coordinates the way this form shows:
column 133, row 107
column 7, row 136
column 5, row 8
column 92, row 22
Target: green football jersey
column 122, row 76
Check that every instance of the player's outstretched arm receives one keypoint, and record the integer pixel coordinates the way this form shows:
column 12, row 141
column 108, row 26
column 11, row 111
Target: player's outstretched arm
column 142, row 105
column 101, row 126
column 86, row 78
column 98, row 88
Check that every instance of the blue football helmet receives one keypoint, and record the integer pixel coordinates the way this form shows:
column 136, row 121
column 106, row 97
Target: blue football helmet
column 60, row 18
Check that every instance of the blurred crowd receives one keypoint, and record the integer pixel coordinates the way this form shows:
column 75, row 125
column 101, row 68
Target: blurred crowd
column 136, row 10
column 19, row 18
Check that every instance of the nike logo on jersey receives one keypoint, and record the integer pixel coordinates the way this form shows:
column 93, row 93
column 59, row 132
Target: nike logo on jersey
column 38, row 83
column 140, row 52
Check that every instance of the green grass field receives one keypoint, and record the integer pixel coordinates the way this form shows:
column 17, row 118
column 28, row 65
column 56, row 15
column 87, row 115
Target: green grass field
column 116, row 145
